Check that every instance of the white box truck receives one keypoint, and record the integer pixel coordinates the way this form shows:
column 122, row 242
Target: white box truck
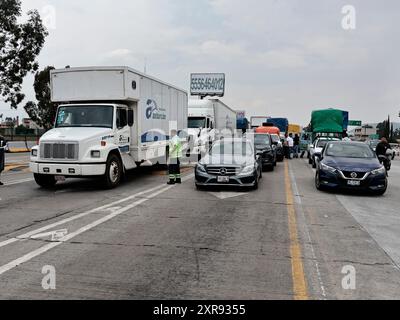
column 207, row 121
column 258, row 121
column 111, row 119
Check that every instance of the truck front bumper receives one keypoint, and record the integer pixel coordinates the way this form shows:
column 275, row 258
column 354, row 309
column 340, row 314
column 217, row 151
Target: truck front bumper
column 70, row 170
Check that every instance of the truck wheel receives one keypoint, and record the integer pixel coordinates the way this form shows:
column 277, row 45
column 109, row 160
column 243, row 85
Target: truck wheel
column 113, row 175
column 45, row 181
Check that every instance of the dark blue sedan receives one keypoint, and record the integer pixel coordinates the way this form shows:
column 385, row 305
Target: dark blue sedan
column 350, row 165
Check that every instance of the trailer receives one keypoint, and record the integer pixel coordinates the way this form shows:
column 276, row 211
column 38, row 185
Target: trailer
column 208, row 120
column 110, row 120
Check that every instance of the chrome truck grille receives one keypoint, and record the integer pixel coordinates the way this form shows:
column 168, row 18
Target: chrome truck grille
column 59, row 151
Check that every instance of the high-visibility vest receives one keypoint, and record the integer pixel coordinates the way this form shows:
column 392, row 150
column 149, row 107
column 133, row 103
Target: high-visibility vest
column 175, row 148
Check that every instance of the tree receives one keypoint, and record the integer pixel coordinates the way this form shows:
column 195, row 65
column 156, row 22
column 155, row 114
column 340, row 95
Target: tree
column 42, row 113
column 20, row 44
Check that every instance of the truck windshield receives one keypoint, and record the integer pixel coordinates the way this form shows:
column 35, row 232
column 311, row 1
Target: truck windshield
column 196, row 122
column 85, row 116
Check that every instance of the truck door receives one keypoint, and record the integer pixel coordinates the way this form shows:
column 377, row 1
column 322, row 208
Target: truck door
column 123, row 131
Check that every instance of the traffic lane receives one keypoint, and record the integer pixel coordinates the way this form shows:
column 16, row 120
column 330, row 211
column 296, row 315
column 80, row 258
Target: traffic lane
column 183, row 244
column 380, row 216
column 330, row 231
column 25, row 205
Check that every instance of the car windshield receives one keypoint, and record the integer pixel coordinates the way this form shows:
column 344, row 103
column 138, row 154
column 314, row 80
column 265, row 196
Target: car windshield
column 196, row 122
column 373, row 144
column 349, row 151
column 262, row 140
column 85, row 116
column 232, row 148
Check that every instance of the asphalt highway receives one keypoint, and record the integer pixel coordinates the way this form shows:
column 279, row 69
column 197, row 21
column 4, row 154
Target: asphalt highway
column 147, row 240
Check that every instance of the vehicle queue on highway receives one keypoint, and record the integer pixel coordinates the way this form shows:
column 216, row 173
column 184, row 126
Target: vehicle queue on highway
column 150, row 122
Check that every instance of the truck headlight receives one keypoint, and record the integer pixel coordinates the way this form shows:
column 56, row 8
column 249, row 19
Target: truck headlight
column 34, row 153
column 381, row 170
column 95, row 154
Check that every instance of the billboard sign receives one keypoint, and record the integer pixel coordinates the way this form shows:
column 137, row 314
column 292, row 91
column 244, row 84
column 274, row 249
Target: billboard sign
column 207, row 84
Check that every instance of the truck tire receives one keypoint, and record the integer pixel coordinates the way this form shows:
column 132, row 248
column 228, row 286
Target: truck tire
column 114, row 171
column 45, row 181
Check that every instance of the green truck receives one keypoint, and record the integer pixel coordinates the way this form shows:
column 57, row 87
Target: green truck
column 329, row 122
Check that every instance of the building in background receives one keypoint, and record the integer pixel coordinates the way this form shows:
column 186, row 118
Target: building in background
column 365, row 132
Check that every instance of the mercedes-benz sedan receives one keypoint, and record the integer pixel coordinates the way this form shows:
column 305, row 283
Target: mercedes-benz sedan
column 350, row 165
column 230, row 162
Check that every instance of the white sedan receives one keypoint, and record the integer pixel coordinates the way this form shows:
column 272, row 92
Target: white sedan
column 317, row 147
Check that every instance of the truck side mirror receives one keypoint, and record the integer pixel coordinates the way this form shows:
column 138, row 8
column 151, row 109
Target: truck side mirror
column 131, row 119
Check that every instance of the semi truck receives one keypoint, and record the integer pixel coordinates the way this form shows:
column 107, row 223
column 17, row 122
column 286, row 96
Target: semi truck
column 281, row 123
column 258, row 121
column 110, row 120
column 208, row 120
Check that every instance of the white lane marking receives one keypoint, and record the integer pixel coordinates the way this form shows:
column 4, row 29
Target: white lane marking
column 12, row 183
column 81, row 215
column 227, row 195
column 54, row 235
column 11, row 265
column 300, row 206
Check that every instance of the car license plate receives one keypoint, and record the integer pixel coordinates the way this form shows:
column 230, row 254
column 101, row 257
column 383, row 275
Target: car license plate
column 60, row 178
column 354, row 183
column 223, row 179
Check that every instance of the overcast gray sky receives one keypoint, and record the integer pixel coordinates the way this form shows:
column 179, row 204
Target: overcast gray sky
column 281, row 57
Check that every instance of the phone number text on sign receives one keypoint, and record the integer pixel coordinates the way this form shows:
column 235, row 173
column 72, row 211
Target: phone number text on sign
column 207, row 84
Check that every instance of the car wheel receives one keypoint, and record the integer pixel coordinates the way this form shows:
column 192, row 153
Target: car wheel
column 256, row 185
column 113, row 174
column 318, row 182
column 45, row 181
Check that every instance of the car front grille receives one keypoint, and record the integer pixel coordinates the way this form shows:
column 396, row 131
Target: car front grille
column 352, row 174
column 225, row 171
column 59, row 151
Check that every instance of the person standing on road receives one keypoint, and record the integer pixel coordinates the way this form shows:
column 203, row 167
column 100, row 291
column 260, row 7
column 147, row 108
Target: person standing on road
column 290, row 143
column 175, row 153
column 2, row 157
column 296, row 147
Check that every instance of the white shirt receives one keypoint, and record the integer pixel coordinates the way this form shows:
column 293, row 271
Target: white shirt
column 290, row 142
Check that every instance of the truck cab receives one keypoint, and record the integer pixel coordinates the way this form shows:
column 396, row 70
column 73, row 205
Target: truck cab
column 87, row 140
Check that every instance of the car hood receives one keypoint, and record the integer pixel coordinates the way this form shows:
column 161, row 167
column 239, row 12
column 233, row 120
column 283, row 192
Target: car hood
column 263, row 148
column 352, row 164
column 75, row 134
column 236, row 160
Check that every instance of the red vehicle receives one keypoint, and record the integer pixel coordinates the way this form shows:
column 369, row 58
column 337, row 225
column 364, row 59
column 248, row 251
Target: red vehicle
column 268, row 129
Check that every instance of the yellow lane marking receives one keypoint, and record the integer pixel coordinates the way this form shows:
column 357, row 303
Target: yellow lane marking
column 298, row 276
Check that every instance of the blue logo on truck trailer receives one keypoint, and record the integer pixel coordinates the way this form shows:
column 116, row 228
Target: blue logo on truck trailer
column 154, row 112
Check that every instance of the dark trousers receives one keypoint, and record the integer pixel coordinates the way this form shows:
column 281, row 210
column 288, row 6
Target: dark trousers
column 1, row 159
column 174, row 169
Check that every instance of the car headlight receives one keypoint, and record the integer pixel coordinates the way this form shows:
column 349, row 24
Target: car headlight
column 34, row 153
column 324, row 167
column 200, row 168
column 381, row 170
column 247, row 170
column 95, row 154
